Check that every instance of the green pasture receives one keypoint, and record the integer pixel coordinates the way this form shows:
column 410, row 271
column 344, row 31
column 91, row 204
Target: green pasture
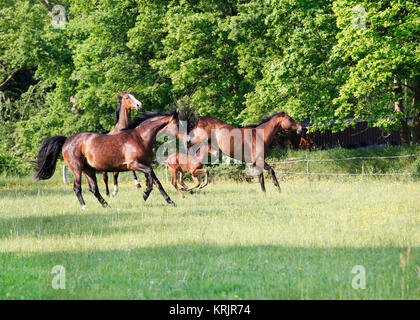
column 230, row 241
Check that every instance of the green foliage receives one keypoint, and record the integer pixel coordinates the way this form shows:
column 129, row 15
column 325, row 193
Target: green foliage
column 375, row 51
column 236, row 60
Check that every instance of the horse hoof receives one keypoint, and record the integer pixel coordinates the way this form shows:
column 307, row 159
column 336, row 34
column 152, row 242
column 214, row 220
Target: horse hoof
column 171, row 203
column 84, row 208
column 114, row 194
column 145, row 196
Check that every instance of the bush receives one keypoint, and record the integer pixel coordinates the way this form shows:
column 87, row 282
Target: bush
column 11, row 166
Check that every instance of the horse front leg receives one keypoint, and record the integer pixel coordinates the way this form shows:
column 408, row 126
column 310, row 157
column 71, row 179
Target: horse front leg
column 134, row 165
column 206, row 177
column 174, row 182
column 136, row 181
column 93, row 186
column 149, row 186
column 261, row 179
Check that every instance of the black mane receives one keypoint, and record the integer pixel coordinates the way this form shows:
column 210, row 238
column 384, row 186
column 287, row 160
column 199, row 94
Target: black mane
column 265, row 119
column 149, row 115
column 192, row 121
column 117, row 112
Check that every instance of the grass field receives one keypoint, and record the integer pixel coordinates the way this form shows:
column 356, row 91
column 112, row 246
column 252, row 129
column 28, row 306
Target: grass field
column 229, row 241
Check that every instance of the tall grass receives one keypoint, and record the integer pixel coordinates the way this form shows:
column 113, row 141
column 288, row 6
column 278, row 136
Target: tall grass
column 230, row 241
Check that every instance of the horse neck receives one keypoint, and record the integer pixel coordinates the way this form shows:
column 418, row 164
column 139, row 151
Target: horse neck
column 217, row 124
column 123, row 118
column 270, row 129
column 150, row 128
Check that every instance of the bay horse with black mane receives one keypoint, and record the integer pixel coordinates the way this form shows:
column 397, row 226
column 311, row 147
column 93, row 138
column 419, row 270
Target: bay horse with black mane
column 247, row 144
column 86, row 152
column 126, row 103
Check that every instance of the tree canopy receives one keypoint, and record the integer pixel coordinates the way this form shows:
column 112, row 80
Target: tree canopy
column 322, row 61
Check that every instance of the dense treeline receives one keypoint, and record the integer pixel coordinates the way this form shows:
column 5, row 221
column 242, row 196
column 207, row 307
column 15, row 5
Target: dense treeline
column 321, row 61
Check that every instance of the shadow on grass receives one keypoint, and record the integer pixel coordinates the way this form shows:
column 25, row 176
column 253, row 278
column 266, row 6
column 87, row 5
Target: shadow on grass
column 199, row 271
column 35, row 192
column 81, row 224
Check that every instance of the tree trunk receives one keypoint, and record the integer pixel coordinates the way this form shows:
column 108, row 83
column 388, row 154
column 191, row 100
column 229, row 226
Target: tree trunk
column 399, row 108
column 416, row 112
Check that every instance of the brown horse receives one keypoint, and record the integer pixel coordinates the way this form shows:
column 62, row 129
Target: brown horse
column 126, row 103
column 248, row 144
column 87, row 152
column 192, row 164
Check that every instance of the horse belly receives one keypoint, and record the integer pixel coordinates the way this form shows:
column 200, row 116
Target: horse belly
column 104, row 157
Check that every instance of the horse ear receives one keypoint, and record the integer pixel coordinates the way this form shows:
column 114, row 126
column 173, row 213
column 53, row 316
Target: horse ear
column 131, row 91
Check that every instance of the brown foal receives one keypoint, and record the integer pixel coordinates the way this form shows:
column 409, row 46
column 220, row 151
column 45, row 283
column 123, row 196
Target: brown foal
column 191, row 164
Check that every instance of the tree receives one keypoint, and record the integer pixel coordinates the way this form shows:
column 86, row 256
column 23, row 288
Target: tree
column 292, row 42
column 379, row 50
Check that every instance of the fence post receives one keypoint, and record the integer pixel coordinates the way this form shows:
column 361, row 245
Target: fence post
column 363, row 167
column 65, row 174
column 307, row 168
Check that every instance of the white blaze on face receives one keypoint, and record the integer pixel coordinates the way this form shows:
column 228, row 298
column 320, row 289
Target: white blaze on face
column 137, row 102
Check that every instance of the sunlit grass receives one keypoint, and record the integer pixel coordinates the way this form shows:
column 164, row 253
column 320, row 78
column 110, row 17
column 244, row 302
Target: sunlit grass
column 230, row 241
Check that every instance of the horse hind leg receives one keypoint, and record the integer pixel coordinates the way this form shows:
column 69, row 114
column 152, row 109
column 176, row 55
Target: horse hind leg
column 105, row 175
column 272, row 174
column 77, row 187
column 181, row 182
column 114, row 193
column 93, row 186
column 196, row 180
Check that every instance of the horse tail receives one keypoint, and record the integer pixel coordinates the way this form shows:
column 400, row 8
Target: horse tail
column 48, row 153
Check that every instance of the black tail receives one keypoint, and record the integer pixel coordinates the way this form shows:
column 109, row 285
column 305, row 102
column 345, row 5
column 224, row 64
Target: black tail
column 48, row 153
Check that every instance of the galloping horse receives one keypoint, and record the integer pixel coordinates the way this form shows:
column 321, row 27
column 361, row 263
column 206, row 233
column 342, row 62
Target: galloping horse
column 86, row 152
column 192, row 164
column 247, row 144
column 126, row 103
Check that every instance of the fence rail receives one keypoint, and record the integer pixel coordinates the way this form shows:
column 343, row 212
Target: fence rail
column 291, row 161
